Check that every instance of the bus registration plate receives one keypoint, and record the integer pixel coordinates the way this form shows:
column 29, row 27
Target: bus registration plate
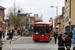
column 40, row 40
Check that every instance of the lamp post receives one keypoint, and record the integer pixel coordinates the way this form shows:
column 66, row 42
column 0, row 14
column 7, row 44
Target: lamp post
column 70, row 17
column 70, row 24
column 56, row 11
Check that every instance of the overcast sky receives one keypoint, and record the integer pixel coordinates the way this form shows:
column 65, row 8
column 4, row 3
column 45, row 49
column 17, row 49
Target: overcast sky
column 36, row 6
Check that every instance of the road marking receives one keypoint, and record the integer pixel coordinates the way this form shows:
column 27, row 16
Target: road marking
column 19, row 38
column 26, row 49
column 10, row 46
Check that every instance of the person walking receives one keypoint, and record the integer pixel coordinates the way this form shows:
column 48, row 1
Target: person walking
column 12, row 31
column 10, row 36
column 9, row 30
column 55, row 37
column 1, row 44
column 66, row 32
column 1, row 33
column 71, row 34
column 68, row 41
column 19, row 32
column 60, row 43
column 4, row 31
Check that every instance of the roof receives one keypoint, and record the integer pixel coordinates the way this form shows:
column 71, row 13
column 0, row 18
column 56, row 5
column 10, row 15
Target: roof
column 43, row 23
column 2, row 7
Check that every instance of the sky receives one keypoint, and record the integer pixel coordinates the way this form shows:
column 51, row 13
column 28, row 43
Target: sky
column 36, row 7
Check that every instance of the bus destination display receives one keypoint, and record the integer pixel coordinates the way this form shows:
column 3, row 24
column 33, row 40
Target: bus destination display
column 40, row 25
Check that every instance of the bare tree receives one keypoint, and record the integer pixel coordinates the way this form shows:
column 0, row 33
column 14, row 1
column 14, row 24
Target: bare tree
column 13, row 16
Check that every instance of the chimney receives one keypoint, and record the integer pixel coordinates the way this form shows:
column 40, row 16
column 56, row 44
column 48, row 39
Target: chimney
column 62, row 10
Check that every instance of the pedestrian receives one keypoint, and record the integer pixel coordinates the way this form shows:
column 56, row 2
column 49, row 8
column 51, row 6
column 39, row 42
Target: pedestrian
column 66, row 32
column 4, row 31
column 68, row 42
column 55, row 36
column 71, row 34
column 12, row 31
column 19, row 32
column 1, row 44
column 60, row 43
column 9, row 30
column 1, row 33
column 10, row 36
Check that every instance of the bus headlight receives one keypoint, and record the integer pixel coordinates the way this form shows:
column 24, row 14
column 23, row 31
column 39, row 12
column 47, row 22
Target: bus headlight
column 36, row 32
column 42, row 35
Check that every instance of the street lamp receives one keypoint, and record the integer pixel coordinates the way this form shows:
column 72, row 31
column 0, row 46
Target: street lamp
column 70, row 20
column 56, row 9
column 56, row 12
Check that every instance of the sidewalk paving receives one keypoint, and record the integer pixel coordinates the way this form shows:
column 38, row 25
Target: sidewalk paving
column 56, row 45
column 14, row 38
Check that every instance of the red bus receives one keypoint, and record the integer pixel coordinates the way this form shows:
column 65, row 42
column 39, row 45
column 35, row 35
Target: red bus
column 42, row 31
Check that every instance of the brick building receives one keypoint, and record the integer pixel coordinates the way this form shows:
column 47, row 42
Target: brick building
column 2, row 15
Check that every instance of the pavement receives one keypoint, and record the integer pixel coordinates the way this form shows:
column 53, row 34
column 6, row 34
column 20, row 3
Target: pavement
column 14, row 38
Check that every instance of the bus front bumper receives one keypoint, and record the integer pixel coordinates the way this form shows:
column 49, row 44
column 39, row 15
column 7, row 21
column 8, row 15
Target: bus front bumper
column 41, row 39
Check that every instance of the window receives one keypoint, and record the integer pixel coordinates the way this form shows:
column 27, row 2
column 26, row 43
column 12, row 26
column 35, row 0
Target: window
column 66, row 0
column 26, row 21
column 66, row 19
column 63, row 20
column 67, row 8
column 64, row 15
column 1, row 12
column 63, row 26
column 11, row 25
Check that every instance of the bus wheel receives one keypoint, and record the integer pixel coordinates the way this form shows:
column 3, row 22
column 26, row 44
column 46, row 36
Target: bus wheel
column 35, row 41
column 48, row 41
column 50, row 38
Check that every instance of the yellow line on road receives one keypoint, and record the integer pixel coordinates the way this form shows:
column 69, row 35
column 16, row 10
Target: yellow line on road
column 19, row 38
column 10, row 46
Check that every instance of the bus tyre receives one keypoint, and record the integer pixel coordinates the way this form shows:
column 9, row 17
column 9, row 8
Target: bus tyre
column 50, row 38
column 35, row 41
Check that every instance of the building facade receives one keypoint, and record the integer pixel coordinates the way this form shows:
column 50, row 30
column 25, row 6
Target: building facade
column 51, row 19
column 24, row 19
column 60, row 23
column 69, row 15
column 3, row 23
column 36, row 16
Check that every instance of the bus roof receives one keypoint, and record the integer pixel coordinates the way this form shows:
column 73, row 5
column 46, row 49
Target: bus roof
column 43, row 23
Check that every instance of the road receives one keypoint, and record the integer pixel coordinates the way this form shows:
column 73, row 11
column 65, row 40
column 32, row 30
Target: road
column 26, row 43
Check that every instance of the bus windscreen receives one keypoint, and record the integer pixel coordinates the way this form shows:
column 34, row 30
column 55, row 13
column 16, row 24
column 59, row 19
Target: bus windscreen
column 41, row 30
